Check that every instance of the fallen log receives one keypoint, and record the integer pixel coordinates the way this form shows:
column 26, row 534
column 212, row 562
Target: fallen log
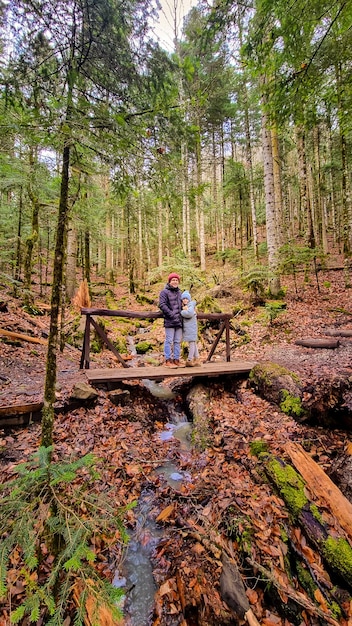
column 313, row 342
column 198, row 405
column 331, row 544
column 320, row 485
column 19, row 409
column 278, row 385
column 233, row 591
column 231, row 584
column 339, row 333
column 22, row 337
column 296, row 596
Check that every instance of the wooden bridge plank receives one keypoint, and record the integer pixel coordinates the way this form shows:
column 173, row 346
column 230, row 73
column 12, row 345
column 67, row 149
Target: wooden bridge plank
column 153, row 373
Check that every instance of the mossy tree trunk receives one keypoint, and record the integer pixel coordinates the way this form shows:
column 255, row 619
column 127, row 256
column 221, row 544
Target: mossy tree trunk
column 50, row 377
column 33, row 237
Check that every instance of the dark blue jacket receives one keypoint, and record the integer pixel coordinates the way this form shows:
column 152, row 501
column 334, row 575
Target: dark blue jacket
column 170, row 305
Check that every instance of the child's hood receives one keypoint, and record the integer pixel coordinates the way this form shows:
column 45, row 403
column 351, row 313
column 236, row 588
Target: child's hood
column 186, row 294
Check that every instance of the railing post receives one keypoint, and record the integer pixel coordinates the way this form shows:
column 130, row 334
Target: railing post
column 227, row 334
column 85, row 357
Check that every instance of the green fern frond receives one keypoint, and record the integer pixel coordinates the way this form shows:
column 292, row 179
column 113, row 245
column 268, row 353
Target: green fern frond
column 18, row 614
column 43, row 505
column 35, row 612
column 5, row 549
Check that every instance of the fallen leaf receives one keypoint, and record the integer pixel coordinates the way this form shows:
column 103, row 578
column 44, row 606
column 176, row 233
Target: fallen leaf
column 252, row 595
column 167, row 586
column 165, row 513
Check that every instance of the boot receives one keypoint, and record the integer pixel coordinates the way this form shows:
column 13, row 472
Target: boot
column 170, row 363
column 177, row 362
column 197, row 362
column 190, row 363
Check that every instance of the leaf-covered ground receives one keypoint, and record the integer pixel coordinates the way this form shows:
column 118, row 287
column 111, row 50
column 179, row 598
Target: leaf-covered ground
column 226, row 504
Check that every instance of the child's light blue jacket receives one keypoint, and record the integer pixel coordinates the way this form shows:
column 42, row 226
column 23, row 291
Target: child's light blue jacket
column 190, row 326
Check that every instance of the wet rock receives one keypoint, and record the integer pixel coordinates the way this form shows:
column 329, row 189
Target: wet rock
column 120, row 397
column 232, row 589
column 83, row 391
column 158, row 391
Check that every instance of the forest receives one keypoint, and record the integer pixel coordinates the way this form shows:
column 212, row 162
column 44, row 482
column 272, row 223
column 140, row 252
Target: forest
column 227, row 160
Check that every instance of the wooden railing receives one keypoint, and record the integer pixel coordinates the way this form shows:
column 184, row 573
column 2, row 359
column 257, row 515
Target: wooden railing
column 152, row 315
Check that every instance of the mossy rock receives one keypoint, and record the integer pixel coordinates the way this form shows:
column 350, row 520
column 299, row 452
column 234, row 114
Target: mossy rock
column 143, row 346
column 120, row 345
column 143, row 299
column 208, row 305
column 278, row 385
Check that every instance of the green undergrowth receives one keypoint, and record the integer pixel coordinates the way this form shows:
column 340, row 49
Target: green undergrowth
column 52, row 516
column 291, row 405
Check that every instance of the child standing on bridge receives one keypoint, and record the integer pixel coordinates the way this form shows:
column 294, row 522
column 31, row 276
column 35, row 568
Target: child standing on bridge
column 190, row 328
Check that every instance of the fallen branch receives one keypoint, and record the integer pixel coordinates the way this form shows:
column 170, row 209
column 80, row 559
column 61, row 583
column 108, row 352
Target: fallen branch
column 22, row 337
column 296, row 596
column 231, row 585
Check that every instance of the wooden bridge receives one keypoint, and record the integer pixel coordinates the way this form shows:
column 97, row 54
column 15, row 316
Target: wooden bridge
column 208, row 369
column 127, row 372
column 223, row 318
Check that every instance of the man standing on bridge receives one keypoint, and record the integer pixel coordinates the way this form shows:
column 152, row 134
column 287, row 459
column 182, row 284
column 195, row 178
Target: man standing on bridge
column 171, row 305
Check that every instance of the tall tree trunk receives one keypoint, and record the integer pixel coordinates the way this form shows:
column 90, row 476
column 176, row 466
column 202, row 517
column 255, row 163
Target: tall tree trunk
column 140, row 268
column 18, row 259
column 148, row 258
column 320, row 214
column 33, row 237
column 160, row 234
column 108, row 248
column 200, row 203
column 249, row 162
column 71, row 282
column 61, row 231
column 271, row 229
column 346, row 213
column 277, row 187
column 51, row 360
column 304, row 195
column 214, row 193
column 224, row 242
column 122, row 239
column 249, row 159
column 334, row 212
column 186, row 226
column 87, row 255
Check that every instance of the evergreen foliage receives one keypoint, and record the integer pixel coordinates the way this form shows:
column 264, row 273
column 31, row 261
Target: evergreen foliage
column 50, row 511
column 256, row 281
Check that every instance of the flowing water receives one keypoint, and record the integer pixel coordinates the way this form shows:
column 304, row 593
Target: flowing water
column 136, row 574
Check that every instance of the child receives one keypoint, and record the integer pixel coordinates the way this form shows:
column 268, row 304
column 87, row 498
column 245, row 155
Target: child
column 170, row 305
column 190, row 328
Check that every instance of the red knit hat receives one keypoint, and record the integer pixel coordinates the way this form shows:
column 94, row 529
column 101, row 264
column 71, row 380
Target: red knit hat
column 173, row 275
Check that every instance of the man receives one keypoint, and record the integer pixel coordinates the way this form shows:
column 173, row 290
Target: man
column 170, row 305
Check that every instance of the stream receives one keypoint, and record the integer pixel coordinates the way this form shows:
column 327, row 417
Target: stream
column 136, row 572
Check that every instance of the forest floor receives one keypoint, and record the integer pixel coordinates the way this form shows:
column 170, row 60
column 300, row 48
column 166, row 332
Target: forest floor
column 220, row 496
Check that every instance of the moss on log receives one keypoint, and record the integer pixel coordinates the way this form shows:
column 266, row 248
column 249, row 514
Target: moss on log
column 332, row 545
column 278, row 385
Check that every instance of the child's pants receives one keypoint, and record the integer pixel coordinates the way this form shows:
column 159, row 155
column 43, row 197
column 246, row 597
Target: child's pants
column 192, row 350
